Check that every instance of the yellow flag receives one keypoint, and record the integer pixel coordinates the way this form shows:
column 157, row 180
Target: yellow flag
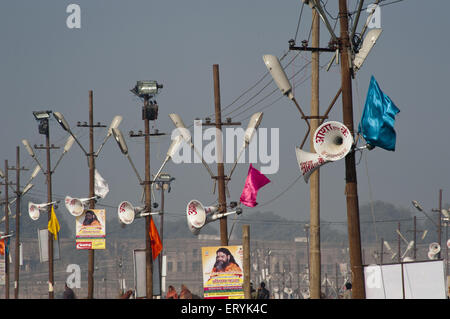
column 53, row 224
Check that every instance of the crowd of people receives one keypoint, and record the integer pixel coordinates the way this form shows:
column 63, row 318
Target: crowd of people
column 261, row 293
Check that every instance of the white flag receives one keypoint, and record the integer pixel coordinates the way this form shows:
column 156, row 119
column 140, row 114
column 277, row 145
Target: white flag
column 101, row 187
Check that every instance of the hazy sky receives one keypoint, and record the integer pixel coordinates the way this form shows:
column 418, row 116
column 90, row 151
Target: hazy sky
column 47, row 66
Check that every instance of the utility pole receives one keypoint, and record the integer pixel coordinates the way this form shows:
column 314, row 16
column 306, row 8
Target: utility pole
column 314, row 180
column 220, row 178
column 91, row 192
column 351, row 190
column 148, row 206
column 6, row 231
column 49, row 173
column 220, row 165
column 415, row 231
column 246, row 265
column 91, row 162
column 18, row 215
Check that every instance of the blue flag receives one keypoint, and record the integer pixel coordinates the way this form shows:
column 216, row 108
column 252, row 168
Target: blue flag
column 377, row 121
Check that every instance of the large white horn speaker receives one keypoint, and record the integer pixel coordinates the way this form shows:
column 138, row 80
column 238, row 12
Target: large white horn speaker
column 332, row 140
column 126, row 212
column 434, row 248
column 33, row 210
column 74, row 205
column 196, row 215
column 308, row 162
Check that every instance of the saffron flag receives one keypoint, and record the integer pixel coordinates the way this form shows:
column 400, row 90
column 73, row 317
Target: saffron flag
column 255, row 180
column 53, row 224
column 4, row 246
column 155, row 240
column 377, row 121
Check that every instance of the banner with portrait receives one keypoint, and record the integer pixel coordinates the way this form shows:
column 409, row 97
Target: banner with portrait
column 91, row 229
column 223, row 275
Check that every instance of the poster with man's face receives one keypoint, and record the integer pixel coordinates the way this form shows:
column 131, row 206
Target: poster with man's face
column 223, row 276
column 91, row 224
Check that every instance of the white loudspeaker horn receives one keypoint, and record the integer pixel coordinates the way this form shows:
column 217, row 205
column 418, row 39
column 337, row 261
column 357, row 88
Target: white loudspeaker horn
column 196, row 215
column 308, row 162
column 127, row 212
column 199, row 215
column 75, row 206
column 34, row 209
column 434, row 248
column 332, row 140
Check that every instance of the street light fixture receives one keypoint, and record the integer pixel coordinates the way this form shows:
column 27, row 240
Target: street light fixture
column 124, row 149
column 279, row 76
column 184, row 132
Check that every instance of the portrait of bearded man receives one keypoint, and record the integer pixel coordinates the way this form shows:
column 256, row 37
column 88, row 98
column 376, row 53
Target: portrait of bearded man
column 225, row 263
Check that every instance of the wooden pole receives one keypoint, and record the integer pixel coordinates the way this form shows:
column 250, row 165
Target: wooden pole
column 6, row 232
column 17, row 246
column 50, row 235
column 91, row 191
column 314, row 181
column 220, row 165
column 148, row 205
column 246, row 265
column 351, row 189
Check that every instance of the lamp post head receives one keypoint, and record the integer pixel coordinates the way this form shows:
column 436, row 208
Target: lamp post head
column 28, row 148
column 417, row 205
column 62, row 121
column 120, row 140
column 278, row 74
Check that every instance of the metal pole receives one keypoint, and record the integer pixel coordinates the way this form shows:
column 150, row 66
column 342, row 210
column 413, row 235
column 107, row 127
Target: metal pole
column 17, row 253
column 314, row 184
column 439, row 223
column 220, row 165
column 415, row 246
column 91, row 191
column 351, row 190
column 246, row 265
column 161, row 236
column 148, row 206
column 399, row 243
column 50, row 235
column 381, row 251
column 6, row 231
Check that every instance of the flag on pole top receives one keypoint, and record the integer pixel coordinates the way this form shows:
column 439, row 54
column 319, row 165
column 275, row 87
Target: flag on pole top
column 378, row 118
column 255, row 180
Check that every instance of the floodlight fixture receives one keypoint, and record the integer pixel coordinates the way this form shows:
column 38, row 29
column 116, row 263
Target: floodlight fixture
column 41, row 115
column 146, row 88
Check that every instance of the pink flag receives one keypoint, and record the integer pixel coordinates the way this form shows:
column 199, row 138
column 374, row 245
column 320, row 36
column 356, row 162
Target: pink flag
column 255, row 180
